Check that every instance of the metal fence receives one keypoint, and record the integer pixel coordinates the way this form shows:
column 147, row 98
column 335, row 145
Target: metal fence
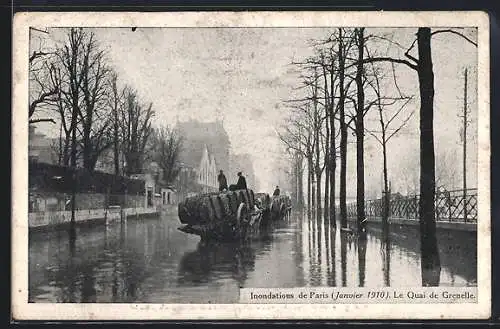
column 451, row 206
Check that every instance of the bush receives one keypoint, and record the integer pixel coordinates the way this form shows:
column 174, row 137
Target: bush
column 55, row 178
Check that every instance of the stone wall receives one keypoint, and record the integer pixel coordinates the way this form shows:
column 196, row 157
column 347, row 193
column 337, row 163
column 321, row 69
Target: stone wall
column 90, row 201
column 53, row 218
column 47, row 201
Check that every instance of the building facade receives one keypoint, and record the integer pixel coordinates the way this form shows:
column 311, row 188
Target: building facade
column 150, row 189
column 40, row 147
column 205, row 151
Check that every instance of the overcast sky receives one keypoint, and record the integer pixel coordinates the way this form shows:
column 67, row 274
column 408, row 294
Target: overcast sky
column 243, row 75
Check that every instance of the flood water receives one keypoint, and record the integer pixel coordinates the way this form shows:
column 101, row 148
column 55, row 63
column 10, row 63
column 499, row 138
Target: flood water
column 151, row 261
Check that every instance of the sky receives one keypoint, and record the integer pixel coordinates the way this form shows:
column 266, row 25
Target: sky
column 243, row 76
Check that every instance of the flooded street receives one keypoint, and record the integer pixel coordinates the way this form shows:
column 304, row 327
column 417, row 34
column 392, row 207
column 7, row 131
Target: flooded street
column 150, row 261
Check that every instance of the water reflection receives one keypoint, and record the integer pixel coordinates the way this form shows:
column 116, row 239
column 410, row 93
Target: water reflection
column 151, row 261
column 234, row 260
column 362, row 258
column 385, row 256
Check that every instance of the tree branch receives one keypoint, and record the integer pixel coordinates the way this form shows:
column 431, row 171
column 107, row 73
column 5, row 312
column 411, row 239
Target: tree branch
column 37, row 54
column 389, row 60
column 454, row 32
column 31, row 121
column 400, row 127
column 374, row 136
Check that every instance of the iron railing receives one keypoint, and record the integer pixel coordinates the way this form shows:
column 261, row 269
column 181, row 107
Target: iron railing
column 451, row 206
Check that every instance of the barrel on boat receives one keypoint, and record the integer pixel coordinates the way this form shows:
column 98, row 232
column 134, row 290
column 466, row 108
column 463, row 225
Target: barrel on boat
column 211, row 208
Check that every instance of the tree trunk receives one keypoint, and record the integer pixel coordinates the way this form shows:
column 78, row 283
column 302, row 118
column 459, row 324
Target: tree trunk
column 318, row 194
column 327, row 100
column 332, row 153
column 317, row 170
column 343, row 135
column 430, row 262
column 87, row 147
column 301, row 183
column 309, row 184
column 333, row 210
column 72, row 228
column 116, row 153
column 313, row 194
column 360, row 131
column 327, row 171
column 294, row 181
column 66, row 156
column 386, row 197
column 385, row 189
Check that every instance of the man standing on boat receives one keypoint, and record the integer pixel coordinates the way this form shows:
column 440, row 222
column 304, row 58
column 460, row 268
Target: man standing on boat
column 222, row 181
column 276, row 191
column 242, row 183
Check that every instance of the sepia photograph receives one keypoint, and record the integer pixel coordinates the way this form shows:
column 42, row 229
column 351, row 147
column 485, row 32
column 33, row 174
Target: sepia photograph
column 243, row 158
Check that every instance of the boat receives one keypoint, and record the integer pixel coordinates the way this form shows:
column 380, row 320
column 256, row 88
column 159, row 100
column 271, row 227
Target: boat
column 227, row 215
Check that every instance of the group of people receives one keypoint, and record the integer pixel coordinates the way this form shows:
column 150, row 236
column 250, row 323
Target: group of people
column 241, row 184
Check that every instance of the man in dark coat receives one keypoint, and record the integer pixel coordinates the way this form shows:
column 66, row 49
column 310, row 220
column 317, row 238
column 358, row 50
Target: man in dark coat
column 222, row 181
column 242, row 183
column 276, row 191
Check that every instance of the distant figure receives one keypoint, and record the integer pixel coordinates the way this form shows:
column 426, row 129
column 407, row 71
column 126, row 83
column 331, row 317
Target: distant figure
column 276, row 191
column 222, row 181
column 242, row 183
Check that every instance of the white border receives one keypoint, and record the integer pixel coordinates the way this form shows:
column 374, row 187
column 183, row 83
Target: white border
column 21, row 310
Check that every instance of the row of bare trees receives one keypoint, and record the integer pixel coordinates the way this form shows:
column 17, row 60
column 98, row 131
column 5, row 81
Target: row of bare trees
column 342, row 82
column 338, row 94
column 99, row 115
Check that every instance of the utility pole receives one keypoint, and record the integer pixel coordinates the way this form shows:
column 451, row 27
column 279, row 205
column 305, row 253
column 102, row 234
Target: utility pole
column 464, row 144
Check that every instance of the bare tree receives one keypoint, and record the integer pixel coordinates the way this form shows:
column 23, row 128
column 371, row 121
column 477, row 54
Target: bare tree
column 167, row 145
column 95, row 119
column 43, row 83
column 136, row 129
column 70, row 56
column 359, row 123
column 115, row 103
column 424, row 67
column 387, row 131
column 344, row 41
column 297, row 136
column 316, row 127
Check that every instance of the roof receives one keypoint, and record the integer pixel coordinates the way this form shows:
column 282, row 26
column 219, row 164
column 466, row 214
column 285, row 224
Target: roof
column 192, row 153
column 196, row 130
column 198, row 135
